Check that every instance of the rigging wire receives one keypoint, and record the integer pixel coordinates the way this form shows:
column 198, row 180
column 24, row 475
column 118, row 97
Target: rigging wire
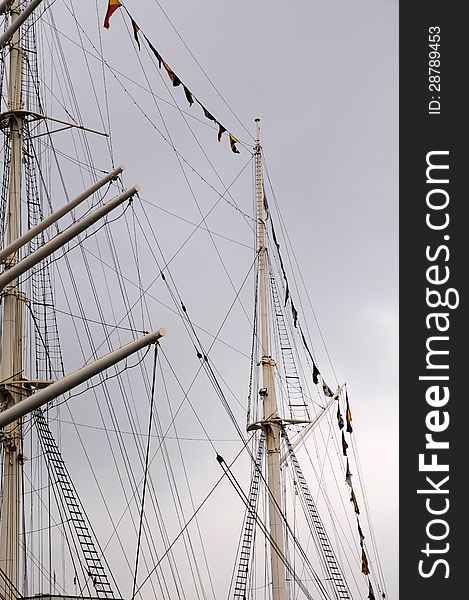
column 105, row 84
column 198, row 226
column 186, row 477
column 188, row 522
column 161, row 523
column 295, row 261
column 93, row 85
column 166, row 306
column 176, row 296
column 145, row 472
column 144, row 435
column 80, row 317
column 203, row 71
column 269, row 538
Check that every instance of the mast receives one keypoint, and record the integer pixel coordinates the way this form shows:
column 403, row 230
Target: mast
column 19, row 395
column 11, row 367
column 271, row 423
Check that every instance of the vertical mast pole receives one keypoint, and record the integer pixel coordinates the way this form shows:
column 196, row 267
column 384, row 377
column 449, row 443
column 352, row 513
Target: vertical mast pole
column 11, row 366
column 271, row 421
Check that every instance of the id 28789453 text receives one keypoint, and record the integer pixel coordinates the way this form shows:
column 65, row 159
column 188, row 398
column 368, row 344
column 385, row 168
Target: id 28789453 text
column 434, row 73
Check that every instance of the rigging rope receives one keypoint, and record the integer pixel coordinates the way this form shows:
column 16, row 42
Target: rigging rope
column 145, row 472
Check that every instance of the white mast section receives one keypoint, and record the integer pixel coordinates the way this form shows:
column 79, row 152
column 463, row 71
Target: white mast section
column 12, row 326
column 271, row 422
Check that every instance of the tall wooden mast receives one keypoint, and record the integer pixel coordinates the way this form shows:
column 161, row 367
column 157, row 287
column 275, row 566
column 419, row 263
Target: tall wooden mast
column 271, row 422
column 11, row 366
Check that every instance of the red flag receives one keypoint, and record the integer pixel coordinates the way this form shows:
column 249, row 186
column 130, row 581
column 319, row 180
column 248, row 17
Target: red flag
column 112, row 7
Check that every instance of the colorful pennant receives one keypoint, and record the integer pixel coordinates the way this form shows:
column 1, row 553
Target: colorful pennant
column 112, row 7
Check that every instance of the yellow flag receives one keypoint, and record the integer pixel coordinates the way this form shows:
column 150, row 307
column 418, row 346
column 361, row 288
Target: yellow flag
column 172, row 75
column 233, row 141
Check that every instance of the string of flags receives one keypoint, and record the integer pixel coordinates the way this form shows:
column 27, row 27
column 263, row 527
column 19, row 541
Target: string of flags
column 113, row 5
column 348, row 480
column 344, row 425
column 327, row 392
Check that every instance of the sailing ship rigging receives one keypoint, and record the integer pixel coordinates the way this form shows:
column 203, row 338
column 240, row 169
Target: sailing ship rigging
column 94, row 391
